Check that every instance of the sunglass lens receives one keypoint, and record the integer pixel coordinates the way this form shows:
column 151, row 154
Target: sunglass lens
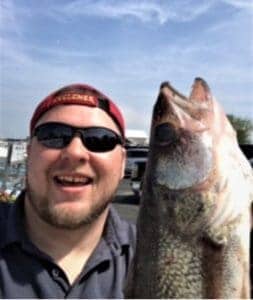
column 100, row 140
column 54, row 135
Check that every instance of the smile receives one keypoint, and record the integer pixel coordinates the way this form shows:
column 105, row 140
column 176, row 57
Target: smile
column 72, row 180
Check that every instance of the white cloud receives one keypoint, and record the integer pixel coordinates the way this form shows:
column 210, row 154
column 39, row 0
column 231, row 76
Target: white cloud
column 134, row 77
column 12, row 51
column 10, row 17
column 240, row 3
column 7, row 15
column 156, row 11
column 143, row 10
column 159, row 11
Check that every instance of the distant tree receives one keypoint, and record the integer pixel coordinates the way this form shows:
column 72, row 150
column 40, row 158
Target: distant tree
column 243, row 127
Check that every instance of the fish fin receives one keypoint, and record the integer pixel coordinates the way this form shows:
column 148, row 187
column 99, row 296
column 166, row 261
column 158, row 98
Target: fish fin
column 220, row 236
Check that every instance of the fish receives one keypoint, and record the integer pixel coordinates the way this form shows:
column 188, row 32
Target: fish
column 193, row 226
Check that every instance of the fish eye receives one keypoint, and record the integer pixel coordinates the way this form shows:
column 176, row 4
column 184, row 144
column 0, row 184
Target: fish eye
column 165, row 133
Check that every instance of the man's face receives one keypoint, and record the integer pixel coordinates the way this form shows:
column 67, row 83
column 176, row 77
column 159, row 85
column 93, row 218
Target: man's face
column 50, row 192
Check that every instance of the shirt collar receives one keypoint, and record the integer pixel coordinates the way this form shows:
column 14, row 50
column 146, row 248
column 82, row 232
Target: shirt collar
column 117, row 238
column 118, row 231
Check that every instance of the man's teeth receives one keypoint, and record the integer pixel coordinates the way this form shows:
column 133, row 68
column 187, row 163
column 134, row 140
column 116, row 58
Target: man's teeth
column 73, row 179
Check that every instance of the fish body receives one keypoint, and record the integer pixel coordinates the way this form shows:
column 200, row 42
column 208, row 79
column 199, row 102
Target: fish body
column 193, row 226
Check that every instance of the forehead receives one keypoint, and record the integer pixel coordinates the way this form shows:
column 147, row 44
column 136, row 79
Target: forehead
column 78, row 115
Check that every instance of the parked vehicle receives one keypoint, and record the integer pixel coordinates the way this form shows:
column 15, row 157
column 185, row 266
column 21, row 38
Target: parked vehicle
column 135, row 155
column 137, row 177
column 247, row 149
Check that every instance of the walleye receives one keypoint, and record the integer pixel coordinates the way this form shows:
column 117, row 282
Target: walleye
column 193, row 226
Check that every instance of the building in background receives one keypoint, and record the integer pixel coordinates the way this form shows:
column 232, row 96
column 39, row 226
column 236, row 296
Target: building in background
column 3, row 149
column 136, row 137
column 12, row 165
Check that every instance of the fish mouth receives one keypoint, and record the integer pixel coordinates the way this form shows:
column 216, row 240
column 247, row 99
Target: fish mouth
column 190, row 113
column 72, row 180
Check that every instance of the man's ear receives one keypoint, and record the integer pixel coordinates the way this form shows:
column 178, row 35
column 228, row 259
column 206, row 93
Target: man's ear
column 28, row 148
column 124, row 157
column 251, row 216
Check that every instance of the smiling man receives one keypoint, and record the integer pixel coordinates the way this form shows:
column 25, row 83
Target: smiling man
column 62, row 238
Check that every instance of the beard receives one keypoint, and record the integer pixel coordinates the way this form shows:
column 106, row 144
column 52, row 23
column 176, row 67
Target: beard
column 63, row 218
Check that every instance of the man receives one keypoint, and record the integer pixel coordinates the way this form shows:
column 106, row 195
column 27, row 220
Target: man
column 61, row 238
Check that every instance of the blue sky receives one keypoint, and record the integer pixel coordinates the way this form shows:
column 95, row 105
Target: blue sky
column 125, row 49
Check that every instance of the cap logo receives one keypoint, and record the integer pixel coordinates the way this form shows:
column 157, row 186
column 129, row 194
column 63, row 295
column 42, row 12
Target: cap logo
column 86, row 99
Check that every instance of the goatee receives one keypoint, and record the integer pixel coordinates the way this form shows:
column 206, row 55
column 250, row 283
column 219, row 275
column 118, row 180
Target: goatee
column 64, row 218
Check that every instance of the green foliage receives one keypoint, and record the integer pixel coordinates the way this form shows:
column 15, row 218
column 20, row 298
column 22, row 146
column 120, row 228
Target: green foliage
column 243, row 127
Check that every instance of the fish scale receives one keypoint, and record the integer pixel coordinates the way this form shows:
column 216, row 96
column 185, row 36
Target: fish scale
column 193, row 226
column 179, row 268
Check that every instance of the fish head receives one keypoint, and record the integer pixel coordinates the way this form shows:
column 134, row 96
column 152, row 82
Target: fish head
column 185, row 142
column 181, row 139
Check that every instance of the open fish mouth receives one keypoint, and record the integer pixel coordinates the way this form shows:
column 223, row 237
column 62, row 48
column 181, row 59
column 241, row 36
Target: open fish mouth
column 72, row 180
column 191, row 113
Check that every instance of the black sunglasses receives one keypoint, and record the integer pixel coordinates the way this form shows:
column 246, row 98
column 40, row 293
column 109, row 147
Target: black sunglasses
column 58, row 135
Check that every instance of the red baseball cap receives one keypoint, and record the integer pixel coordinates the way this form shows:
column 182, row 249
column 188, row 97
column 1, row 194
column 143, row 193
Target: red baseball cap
column 80, row 94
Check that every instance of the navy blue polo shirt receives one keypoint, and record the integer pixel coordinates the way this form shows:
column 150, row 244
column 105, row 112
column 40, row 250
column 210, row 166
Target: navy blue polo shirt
column 27, row 272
